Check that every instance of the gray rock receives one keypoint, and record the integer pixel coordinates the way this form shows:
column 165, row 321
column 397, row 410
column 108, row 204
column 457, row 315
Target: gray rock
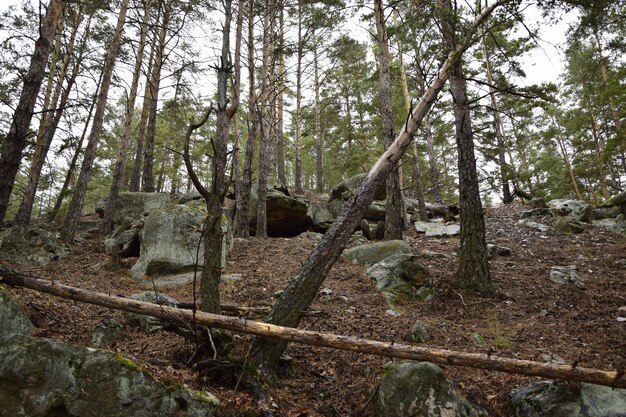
column 399, row 277
column 537, row 202
column 537, row 212
column 568, row 224
column 497, row 250
column 432, row 254
column 419, row 332
column 321, row 217
column 566, row 275
column 31, row 245
column 552, row 358
column 287, row 215
column 169, row 246
column 621, row 263
column 604, row 212
column 347, row 188
column 534, row 225
column 562, row 399
column 618, row 199
column 133, row 205
column 13, row 318
column 311, row 235
column 371, row 253
column 45, row 377
column 105, row 333
column 126, row 238
column 435, row 229
column 574, row 208
column 412, row 389
column 148, row 323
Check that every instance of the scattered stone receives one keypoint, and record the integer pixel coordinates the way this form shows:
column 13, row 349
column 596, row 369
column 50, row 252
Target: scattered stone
column 534, row 225
column 497, row 250
column 411, row 389
column 392, row 312
column 568, row 224
column 621, row 263
column 105, row 333
column 399, row 277
column 577, row 209
column 566, row 275
column 13, row 318
column 147, row 323
column 560, row 399
column 436, row 229
column 311, row 235
column 371, row 253
column 552, row 358
column 419, row 332
column 431, row 254
column 326, row 291
column 279, row 293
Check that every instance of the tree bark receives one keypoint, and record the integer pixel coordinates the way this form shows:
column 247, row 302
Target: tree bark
column 68, row 230
column 147, row 178
column 473, row 270
column 566, row 160
column 280, row 85
column 507, row 198
column 612, row 378
column 266, row 118
column 48, row 121
column 304, row 286
column 15, row 140
column 243, row 198
column 116, row 183
column 319, row 144
column 394, row 219
column 298, row 110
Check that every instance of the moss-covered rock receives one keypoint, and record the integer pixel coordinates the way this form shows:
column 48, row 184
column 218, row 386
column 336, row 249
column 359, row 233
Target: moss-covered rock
column 45, row 377
column 562, row 399
column 13, row 319
column 420, row 389
column 371, row 253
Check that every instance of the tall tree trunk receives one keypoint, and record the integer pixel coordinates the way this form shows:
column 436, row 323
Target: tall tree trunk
column 521, row 151
column 319, row 143
column 302, row 289
column 50, row 104
column 69, row 176
column 507, row 198
column 266, row 117
column 418, row 181
column 280, row 79
column 435, row 181
column 15, row 140
column 394, row 219
column 566, row 160
column 135, row 178
column 298, row 110
column 600, row 166
column 116, row 183
column 72, row 217
column 473, row 254
column 243, row 198
column 147, row 178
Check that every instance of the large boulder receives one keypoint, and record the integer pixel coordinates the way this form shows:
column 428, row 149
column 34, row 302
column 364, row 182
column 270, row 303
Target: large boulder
column 348, row 188
column 411, row 389
column 31, row 245
column 371, row 253
column 170, row 246
column 46, row 377
column 287, row 215
column 400, row 277
column 320, row 216
column 574, row 208
column 125, row 238
column 133, row 205
column 437, row 229
column 13, row 319
column 562, row 399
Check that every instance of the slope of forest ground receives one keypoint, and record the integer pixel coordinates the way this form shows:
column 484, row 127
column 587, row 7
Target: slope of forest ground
column 537, row 318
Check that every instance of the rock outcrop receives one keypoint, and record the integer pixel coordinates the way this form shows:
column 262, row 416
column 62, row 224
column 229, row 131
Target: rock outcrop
column 371, row 253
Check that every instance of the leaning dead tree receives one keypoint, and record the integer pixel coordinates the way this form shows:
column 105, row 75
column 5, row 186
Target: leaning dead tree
column 190, row 318
column 303, row 288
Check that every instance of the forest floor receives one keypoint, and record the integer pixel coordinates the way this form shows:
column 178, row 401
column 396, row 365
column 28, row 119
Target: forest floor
column 538, row 317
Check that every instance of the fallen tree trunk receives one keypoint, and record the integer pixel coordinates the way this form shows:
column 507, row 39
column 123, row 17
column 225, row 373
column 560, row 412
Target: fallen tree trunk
column 391, row 350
